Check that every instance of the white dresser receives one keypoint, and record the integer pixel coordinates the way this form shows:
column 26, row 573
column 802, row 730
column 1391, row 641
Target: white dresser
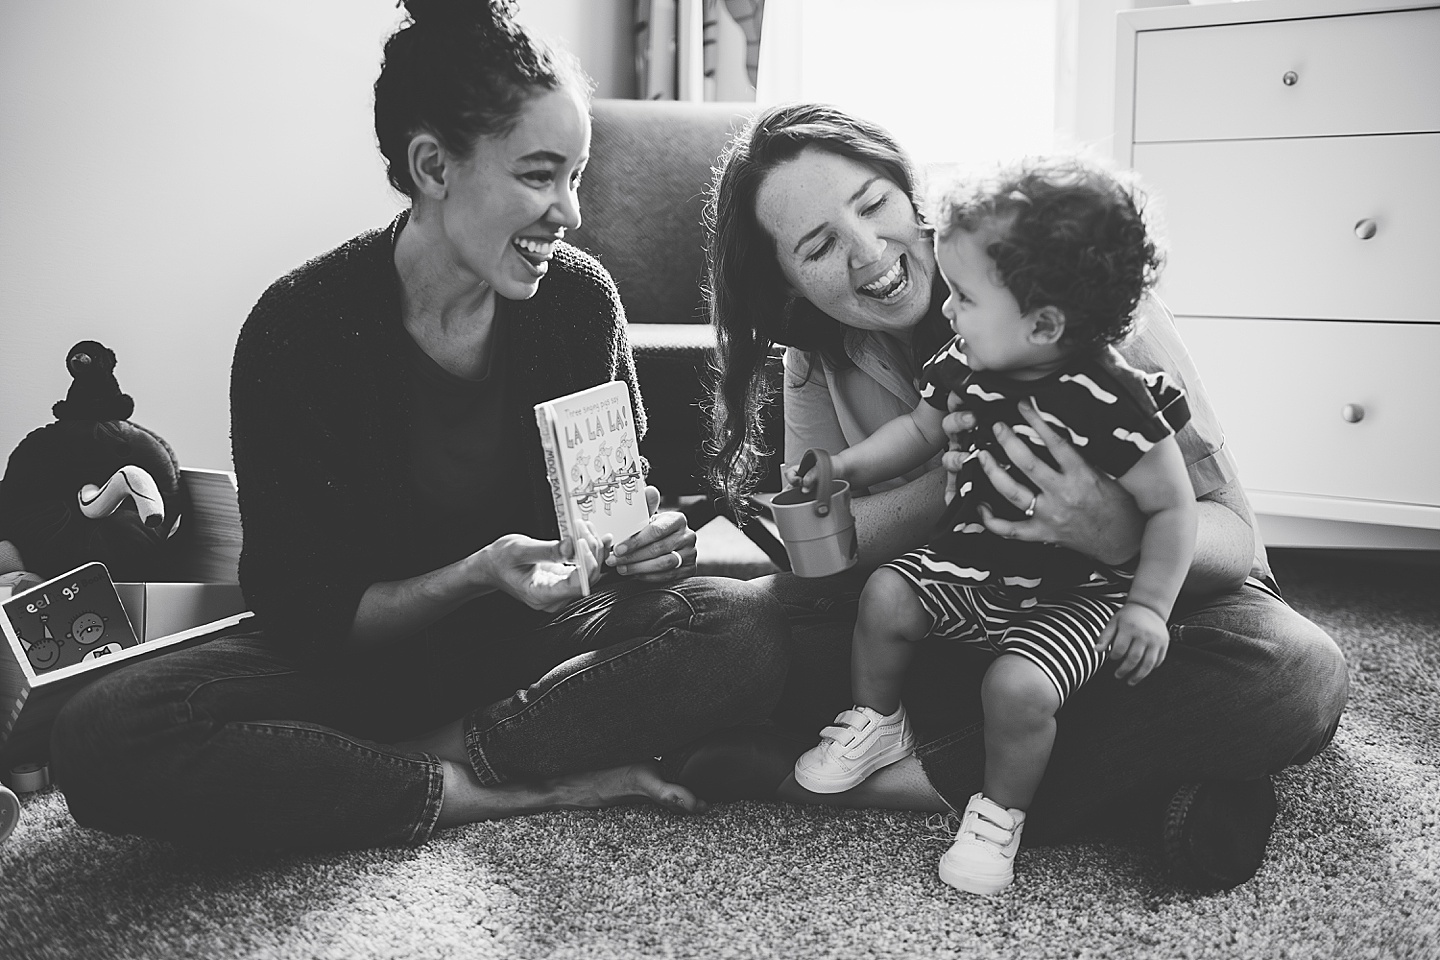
column 1293, row 150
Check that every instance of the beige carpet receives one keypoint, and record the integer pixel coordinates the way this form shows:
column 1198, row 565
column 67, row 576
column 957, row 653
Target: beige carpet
column 1352, row 873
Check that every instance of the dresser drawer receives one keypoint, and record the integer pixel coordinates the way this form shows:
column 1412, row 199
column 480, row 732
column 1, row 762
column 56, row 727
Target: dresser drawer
column 1281, row 389
column 1364, row 73
column 1267, row 228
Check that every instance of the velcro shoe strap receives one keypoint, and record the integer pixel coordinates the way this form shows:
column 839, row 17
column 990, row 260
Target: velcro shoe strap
column 849, row 727
column 993, row 832
column 988, row 820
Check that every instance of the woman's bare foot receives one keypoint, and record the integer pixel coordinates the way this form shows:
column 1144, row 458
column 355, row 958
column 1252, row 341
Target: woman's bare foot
column 628, row 784
column 466, row 800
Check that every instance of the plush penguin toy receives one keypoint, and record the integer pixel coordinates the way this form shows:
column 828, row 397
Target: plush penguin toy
column 92, row 485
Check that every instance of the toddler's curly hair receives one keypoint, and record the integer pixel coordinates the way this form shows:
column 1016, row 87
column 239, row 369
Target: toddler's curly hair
column 1067, row 233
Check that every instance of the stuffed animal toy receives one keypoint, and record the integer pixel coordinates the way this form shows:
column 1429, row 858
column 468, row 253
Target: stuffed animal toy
column 92, row 485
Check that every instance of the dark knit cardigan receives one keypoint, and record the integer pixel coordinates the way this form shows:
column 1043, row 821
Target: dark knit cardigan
column 319, row 410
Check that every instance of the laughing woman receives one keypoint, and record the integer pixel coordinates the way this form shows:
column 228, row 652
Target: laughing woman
column 426, row 657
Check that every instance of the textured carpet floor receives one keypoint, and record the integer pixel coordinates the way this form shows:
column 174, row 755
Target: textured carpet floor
column 1353, row 871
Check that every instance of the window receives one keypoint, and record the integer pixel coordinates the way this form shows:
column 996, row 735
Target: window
column 957, row 81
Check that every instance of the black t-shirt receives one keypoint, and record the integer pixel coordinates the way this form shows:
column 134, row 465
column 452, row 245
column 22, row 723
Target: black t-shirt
column 471, row 484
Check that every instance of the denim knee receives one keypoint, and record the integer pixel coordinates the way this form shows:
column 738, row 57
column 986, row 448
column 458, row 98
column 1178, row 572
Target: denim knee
column 1321, row 682
column 1290, row 674
column 94, row 750
column 749, row 633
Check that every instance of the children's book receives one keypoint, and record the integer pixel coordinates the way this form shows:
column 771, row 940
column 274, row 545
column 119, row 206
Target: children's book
column 593, row 458
column 61, row 634
column 73, row 619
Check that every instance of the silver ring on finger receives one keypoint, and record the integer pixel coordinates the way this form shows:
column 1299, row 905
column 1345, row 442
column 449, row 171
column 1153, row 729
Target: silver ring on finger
column 1030, row 510
column 679, row 560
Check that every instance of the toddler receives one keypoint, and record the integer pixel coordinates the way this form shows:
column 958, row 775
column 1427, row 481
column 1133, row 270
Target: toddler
column 1045, row 265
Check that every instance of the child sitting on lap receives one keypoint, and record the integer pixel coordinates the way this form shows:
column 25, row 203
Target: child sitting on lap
column 1045, row 265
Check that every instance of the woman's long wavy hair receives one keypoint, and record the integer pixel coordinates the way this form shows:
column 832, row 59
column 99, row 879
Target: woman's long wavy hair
column 751, row 306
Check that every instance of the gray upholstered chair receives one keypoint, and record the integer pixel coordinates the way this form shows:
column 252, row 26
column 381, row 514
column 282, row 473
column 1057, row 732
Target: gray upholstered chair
column 641, row 203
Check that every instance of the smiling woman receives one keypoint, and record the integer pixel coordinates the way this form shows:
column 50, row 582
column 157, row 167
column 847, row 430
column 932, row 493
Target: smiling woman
column 847, row 240
column 426, row 654
column 837, row 245
column 485, row 223
column 1198, row 739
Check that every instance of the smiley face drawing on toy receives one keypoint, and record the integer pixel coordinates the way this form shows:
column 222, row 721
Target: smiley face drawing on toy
column 45, row 652
column 87, row 628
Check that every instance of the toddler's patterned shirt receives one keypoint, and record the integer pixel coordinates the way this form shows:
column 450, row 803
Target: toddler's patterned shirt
column 1110, row 412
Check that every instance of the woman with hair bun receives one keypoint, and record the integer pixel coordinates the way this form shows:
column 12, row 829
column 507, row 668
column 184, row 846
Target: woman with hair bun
column 425, row 657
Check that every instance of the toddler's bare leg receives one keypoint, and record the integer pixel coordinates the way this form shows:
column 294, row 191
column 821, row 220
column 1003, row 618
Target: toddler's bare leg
column 891, row 621
column 1020, row 704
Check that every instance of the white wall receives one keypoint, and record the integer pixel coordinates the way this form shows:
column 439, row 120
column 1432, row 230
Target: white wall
column 1085, row 71
column 956, row 83
column 163, row 161
column 600, row 32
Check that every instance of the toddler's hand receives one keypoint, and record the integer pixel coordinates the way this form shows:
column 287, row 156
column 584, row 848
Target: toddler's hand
column 1138, row 637
column 790, row 476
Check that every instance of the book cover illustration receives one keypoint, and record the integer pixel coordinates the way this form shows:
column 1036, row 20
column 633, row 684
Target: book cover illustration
column 592, row 457
column 71, row 619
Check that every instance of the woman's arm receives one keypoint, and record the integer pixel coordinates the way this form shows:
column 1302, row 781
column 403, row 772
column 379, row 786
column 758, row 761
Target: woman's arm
column 532, row 571
column 1224, row 541
column 889, row 523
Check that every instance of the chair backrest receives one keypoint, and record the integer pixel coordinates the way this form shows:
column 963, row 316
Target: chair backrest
column 642, row 197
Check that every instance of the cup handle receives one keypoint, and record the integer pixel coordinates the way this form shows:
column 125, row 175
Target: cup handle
column 825, row 488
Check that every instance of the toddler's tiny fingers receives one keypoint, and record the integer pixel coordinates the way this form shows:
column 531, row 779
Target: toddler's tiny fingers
column 1119, row 646
column 1128, row 665
column 1143, row 668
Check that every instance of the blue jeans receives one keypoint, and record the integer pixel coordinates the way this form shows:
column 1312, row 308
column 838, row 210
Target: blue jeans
column 234, row 742
column 1247, row 688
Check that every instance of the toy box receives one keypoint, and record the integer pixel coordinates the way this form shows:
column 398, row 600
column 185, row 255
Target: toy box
column 59, row 635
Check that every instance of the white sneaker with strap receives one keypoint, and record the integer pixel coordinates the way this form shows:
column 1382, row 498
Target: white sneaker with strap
column 982, row 858
column 860, row 742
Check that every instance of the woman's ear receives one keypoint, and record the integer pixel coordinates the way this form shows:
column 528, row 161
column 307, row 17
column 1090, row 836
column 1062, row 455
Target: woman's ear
column 428, row 165
column 1047, row 325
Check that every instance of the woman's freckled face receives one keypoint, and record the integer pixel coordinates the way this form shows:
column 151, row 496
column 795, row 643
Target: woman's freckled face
column 848, row 240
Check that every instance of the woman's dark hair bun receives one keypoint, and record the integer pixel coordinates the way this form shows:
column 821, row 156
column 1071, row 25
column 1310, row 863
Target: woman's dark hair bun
column 460, row 70
column 449, row 13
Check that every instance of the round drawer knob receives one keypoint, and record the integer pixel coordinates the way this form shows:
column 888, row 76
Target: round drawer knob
column 1290, row 78
column 1352, row 412
column 1365, row 229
